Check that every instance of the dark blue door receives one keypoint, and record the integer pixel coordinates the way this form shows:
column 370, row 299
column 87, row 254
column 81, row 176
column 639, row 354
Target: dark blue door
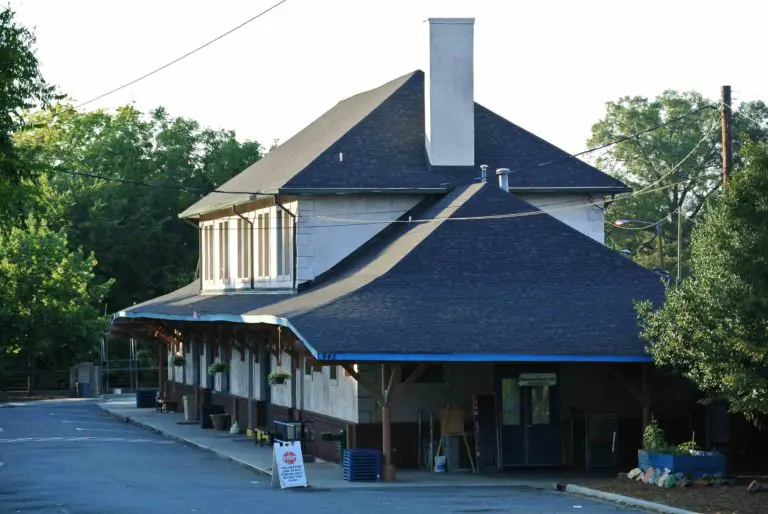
column 542, row 425
column 529, row 418
column 512, row 422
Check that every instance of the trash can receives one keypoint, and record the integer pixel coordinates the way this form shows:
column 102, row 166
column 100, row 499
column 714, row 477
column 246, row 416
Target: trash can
column 83, row 390
column 190, row 409
column 146, row 398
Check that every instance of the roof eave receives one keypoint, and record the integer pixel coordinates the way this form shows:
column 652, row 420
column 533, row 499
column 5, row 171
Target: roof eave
column 196, row 213
column 576, row 189
column 299, row 191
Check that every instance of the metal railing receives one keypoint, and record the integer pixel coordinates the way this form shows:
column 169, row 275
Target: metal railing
column 127, row 376
column 16, row 381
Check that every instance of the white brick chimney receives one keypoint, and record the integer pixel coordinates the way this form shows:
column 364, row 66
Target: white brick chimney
column 449, row 92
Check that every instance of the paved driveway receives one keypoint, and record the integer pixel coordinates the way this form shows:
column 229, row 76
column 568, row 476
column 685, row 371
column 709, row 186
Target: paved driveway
column 69, row 457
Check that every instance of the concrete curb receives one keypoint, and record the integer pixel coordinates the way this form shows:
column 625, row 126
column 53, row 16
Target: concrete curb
column 624, row 500
column 176, row 438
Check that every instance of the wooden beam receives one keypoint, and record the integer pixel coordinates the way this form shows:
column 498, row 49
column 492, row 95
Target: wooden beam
column 420, row 369
column 368, row 385
column 386, row 382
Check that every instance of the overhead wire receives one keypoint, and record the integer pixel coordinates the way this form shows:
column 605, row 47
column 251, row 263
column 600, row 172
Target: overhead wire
column 345, row 222
column 216, row 190
column 617, row 141
column 182, row 57
column 689, row 155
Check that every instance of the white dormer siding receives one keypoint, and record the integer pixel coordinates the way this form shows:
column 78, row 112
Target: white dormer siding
column 582, row 212
column 332, row 227
column 257, row 250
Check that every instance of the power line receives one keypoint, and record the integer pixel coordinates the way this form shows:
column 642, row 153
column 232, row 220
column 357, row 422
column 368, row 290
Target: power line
column 209, row 191
column 164, row 66
column 674, row 168
column 739, row 113
column 617, row 141
column 148, row 184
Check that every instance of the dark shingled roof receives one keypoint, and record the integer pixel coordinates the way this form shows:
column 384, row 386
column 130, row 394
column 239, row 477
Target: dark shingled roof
column 381, row 135
column 518, row 282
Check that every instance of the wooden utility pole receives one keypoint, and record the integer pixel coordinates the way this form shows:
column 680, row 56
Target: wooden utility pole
column 726, row 111
column 679, row 242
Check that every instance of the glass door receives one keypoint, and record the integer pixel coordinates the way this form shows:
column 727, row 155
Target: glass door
column 530, row 422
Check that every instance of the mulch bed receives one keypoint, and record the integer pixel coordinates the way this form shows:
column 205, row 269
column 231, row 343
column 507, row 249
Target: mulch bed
column 721, row 499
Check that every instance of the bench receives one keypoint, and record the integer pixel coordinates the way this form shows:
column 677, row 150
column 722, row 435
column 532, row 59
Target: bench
column 164, row 404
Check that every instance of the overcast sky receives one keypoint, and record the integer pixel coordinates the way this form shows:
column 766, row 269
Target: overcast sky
column 548, row 66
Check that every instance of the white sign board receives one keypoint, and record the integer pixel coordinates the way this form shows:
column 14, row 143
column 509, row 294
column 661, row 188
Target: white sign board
column 288, row 465
column 538, row 379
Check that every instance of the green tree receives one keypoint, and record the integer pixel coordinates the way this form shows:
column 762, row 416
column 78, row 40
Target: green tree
column 713, row 327
column 133, row 229
column 22, row 88
column 678, row 167
column 49, row 294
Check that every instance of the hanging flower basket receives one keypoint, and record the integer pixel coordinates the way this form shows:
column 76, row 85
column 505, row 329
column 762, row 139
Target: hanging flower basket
column 217, row 367
column 278, row 377
column 178, row 360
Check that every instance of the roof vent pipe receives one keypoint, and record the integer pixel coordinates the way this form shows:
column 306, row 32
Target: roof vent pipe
column 503, row 174
column 483, row 173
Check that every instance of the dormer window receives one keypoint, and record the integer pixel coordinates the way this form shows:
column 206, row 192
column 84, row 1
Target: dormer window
column 207, row 252
column 284, row 244
column 244, row 248
column 263, row 235
column 252, row 251
column 224, row 251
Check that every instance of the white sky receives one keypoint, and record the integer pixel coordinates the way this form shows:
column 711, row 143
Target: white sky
column 547, row 65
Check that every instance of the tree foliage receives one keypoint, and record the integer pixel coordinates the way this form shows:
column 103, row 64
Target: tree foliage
column 133, row 229
column 48, row 293
column 713, row 327
column 53, row 224
column 22, row 88
column 677, row 167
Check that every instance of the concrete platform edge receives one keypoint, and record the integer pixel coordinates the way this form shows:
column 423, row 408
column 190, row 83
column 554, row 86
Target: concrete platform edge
column 624, row 500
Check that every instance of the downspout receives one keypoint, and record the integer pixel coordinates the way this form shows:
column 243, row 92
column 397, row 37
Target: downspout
column 295, row 239
column 253, row 256
column 199, row 250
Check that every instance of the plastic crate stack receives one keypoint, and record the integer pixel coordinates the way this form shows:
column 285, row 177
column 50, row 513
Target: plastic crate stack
column 362, row 465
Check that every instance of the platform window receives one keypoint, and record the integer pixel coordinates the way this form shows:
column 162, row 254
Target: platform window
column 540, row 405
column 510, row 400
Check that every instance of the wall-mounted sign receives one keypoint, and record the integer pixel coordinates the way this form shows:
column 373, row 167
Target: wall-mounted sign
column 538, row 379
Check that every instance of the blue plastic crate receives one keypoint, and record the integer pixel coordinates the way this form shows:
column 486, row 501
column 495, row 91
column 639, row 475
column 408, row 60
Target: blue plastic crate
column 362, row 465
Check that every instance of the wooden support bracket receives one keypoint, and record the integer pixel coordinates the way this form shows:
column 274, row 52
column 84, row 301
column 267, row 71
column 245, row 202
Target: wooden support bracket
column 420, row 369
column 368, row 385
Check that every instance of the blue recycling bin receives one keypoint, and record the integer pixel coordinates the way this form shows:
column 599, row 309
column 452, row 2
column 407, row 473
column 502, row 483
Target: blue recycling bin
column 83, row 390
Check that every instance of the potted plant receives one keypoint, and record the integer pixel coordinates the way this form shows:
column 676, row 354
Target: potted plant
column 278, row 377
column 178, row 360
column 217, row 367
column 219, row 421
column 685, row 458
